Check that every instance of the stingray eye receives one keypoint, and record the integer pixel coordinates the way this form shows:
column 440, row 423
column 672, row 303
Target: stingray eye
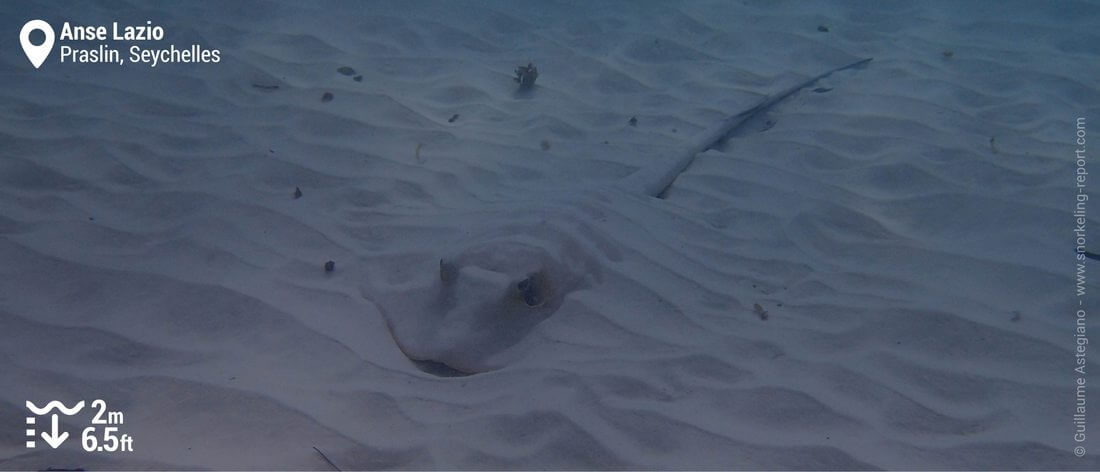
column 448, row 272
column 529, row 290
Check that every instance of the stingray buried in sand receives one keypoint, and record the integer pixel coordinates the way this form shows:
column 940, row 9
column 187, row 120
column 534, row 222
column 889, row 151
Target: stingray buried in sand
column 497, row 284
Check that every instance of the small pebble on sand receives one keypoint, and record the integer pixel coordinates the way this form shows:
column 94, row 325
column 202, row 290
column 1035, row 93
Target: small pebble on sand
column 760, row 311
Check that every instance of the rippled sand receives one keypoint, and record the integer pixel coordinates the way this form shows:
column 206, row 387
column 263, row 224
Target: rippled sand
column 905, row 227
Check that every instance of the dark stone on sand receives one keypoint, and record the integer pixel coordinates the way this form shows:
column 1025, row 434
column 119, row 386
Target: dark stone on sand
column 327, row 97
column 453, row 118
column 633, row 121
column 346, row 70
column 297, row 193
column 357, row 78
column 823, row 28
column 330, row 266
column 526, row 75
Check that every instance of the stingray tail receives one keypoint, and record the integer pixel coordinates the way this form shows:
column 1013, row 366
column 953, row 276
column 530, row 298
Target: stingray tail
column 653, row 181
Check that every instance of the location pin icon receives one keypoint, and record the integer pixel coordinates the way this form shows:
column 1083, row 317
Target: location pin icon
column 37, row 54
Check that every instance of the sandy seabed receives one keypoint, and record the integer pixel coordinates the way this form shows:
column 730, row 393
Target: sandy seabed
column 906, row 228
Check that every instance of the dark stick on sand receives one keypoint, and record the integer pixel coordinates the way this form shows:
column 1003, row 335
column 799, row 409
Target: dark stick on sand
column 323, row 456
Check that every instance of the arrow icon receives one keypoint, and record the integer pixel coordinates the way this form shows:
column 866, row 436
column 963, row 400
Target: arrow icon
column 52, row 438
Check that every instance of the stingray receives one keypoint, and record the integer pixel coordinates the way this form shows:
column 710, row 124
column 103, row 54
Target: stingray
column 496, row 283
